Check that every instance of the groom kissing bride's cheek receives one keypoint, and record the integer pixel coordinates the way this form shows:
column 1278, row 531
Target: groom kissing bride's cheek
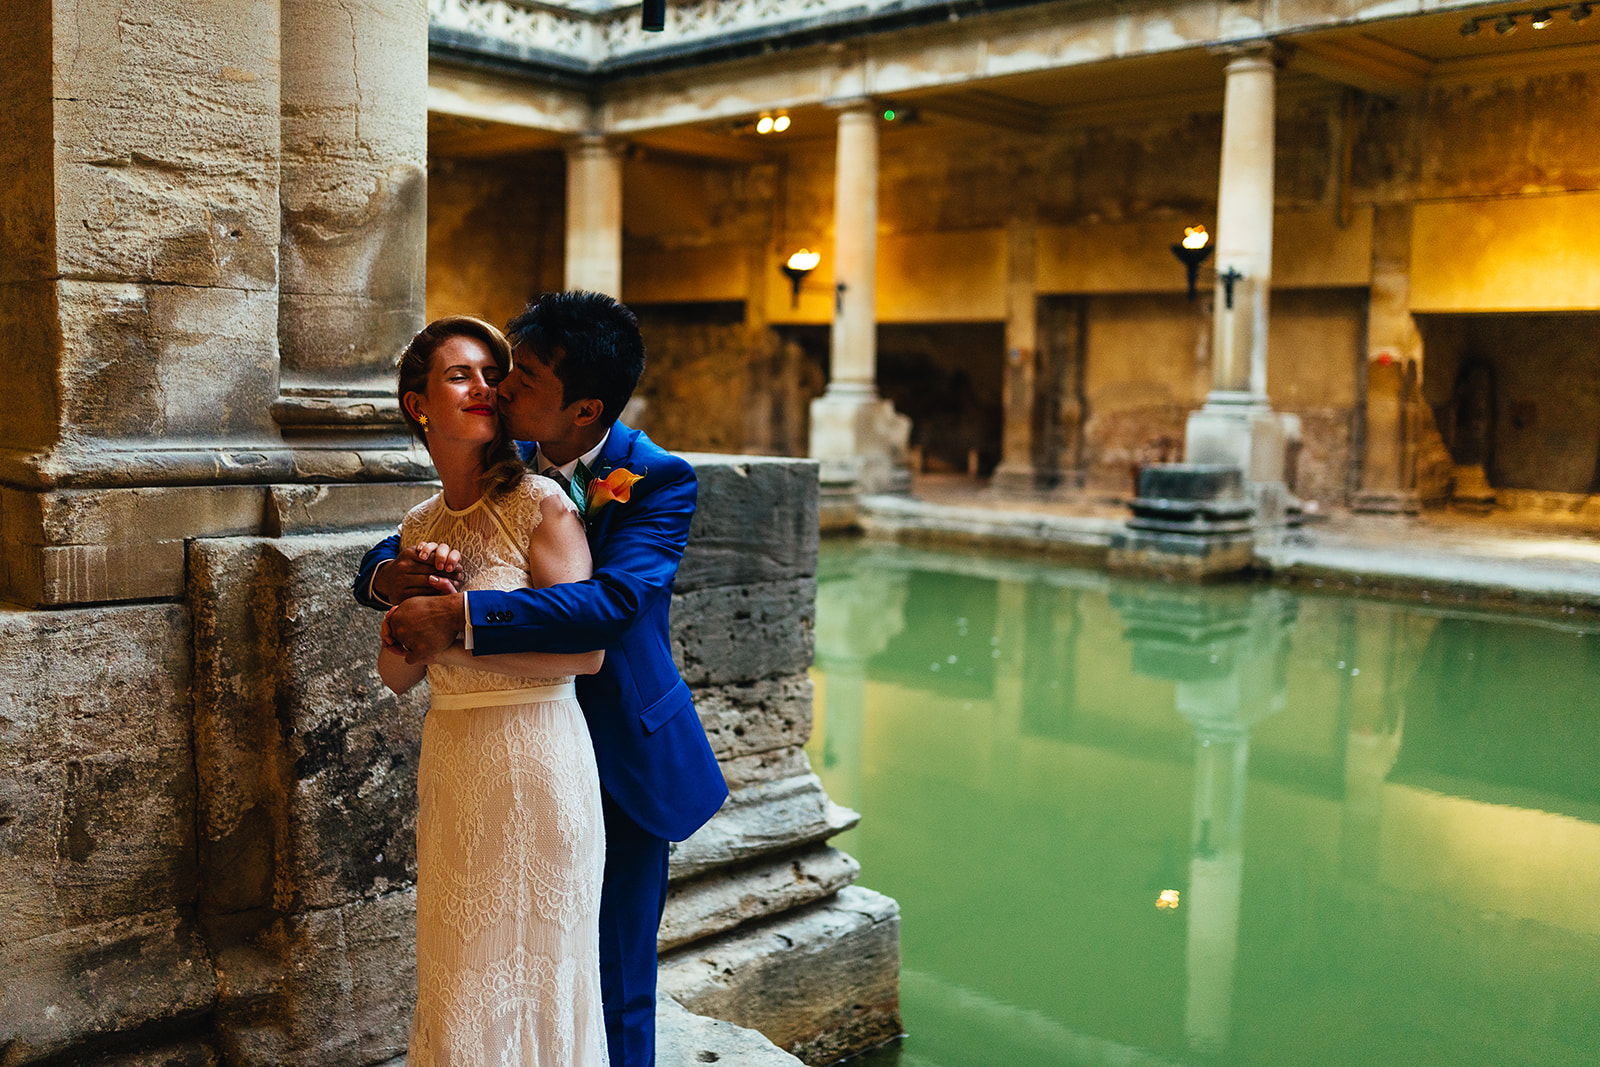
column 542, row 570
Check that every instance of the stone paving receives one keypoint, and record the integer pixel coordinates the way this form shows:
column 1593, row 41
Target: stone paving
column 1544, row 560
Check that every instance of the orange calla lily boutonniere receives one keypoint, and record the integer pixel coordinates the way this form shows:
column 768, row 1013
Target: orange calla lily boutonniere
column 618, row 486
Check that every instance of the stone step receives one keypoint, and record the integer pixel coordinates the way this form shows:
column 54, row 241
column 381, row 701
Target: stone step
column 822, row 982
column 722, row 900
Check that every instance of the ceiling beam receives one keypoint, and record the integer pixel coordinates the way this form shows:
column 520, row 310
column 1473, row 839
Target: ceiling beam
column 1363, row 62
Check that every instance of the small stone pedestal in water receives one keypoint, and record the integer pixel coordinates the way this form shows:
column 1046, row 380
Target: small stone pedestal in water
column 1190, row 520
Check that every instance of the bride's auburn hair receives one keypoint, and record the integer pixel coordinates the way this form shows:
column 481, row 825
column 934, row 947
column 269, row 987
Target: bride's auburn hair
column 502, row 464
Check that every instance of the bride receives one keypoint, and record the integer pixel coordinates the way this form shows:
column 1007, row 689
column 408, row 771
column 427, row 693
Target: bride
column 510, row 843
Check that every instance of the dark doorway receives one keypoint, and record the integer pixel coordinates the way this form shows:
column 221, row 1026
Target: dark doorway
column 1518, row 393
column 947, row 378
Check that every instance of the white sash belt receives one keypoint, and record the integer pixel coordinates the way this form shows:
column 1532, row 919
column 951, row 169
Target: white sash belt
column 495, row 698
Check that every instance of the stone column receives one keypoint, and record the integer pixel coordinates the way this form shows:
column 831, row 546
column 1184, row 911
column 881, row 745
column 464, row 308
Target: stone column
column 1237, row 426
column 594, row 216
column 1024, row 392
column 858, row 437
column 354, row 202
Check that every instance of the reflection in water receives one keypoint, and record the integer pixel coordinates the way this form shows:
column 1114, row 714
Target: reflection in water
column 1227, row 652
column 1042, row 754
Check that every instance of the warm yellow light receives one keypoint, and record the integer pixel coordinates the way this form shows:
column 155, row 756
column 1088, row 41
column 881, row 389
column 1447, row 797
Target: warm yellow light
column 1167, row 899
column 1195, row 237
column 780, row 124
column 764, row 125
column 805, row 259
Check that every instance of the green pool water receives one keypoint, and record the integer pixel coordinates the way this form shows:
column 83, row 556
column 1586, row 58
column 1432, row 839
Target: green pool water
column 1380, row 824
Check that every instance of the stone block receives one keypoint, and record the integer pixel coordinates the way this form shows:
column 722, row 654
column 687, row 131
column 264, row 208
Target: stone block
column 307, row 763
column 159, row 186
column 821, row 983
column 781, row 763
column 71, row 987
column 159, row 362
column 762, row 819
column 684, row 1039
column 744, row 632
column 182, row 1054
column 742, row 718
column 722, row 900
column 303, row 509
column 326, row 988
column 97, row 788
column 78, row 546
column 756, row 521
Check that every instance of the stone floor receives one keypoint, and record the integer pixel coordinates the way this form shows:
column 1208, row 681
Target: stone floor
column 684, row 1039
column 1533, row 557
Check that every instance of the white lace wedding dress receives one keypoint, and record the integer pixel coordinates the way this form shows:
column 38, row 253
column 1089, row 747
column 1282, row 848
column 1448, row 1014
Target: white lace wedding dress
column 510, row 843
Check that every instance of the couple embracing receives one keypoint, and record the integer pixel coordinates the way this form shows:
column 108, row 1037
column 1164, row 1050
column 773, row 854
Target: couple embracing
column 561, row 751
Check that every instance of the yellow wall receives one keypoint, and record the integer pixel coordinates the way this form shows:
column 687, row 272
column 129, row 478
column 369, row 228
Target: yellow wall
column 1309, row 251
column 1525, row 254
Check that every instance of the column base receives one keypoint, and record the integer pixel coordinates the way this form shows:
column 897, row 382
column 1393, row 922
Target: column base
column 1022, row 478
column 860, row 441
column 1241, row 430
column 1190, row 521
column 1387, row 502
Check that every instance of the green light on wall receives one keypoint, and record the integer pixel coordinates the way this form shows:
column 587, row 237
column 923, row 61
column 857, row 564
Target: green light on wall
column 888, row 116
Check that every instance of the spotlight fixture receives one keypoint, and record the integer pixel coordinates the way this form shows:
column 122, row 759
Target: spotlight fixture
column 1505, row 25
column 1541, row 19
column 800, row 264
column 1469, row 28
column 1193, row 250
column 764, row 124
column 780, row 123
column 1579, row 12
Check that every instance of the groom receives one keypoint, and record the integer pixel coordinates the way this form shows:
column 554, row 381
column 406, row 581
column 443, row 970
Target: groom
column 578, row 356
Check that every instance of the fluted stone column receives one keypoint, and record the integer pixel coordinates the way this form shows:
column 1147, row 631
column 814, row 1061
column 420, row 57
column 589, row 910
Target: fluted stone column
column 354, row 204
column 858, row 437
column 594, row 216
column 1237, row 426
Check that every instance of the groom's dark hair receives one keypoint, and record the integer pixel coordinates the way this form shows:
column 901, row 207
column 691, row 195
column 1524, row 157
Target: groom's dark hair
column 590, row 341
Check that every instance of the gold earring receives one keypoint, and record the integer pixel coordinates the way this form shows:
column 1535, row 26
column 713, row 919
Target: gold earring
column 422, row 420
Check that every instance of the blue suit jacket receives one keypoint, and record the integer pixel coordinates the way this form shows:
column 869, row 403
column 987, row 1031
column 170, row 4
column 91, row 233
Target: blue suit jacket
column 655, row 761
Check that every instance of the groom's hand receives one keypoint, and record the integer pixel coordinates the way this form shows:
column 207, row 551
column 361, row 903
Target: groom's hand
column 425, row 569
column 424, row 626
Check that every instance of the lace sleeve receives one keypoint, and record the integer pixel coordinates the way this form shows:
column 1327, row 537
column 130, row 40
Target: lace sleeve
column 533, row 491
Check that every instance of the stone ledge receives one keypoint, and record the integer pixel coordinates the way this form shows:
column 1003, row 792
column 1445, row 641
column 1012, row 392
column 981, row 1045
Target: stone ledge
column 684, row 1039
column 761, row 820
column 821, row 983
column 721, row 901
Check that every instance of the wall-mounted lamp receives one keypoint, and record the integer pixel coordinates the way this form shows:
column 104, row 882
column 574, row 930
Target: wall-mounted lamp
column 1193, row 250
column 800, row 264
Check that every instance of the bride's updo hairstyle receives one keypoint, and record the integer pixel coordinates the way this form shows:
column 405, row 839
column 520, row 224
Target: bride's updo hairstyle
column 502, row 465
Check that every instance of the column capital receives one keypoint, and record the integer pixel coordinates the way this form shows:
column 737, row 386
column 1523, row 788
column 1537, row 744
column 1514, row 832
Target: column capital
column 852, row 105
column 594, row 144
column 1253, row 54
